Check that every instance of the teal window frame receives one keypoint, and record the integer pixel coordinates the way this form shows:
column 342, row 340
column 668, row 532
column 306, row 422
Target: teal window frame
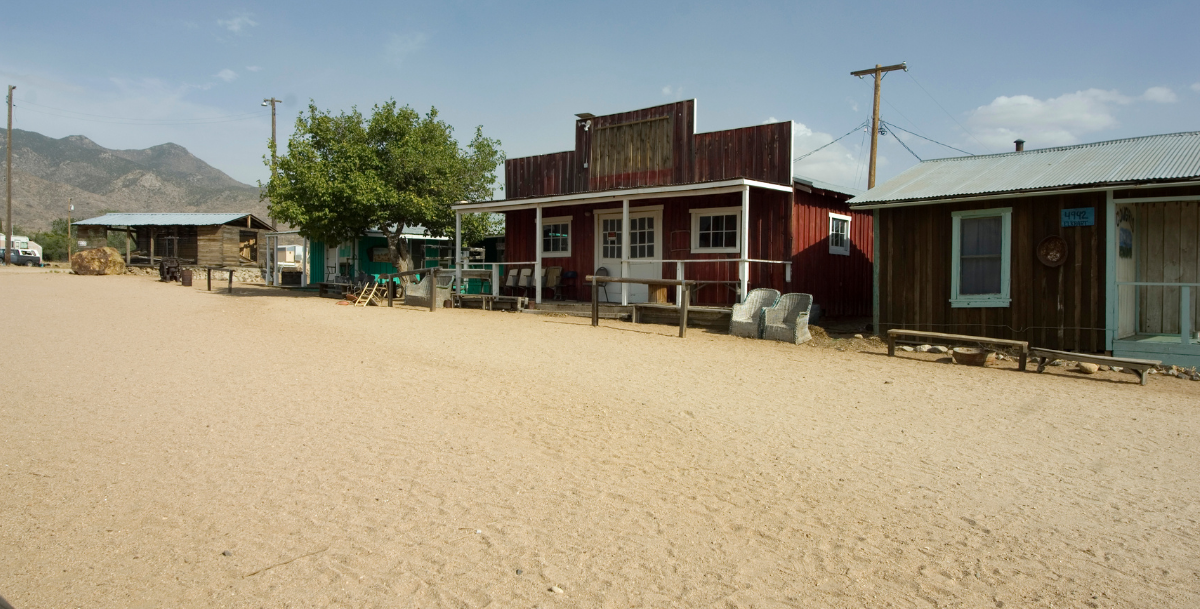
column 1003, row 299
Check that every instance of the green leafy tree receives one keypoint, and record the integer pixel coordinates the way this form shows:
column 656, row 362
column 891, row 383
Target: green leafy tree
column 346, row 173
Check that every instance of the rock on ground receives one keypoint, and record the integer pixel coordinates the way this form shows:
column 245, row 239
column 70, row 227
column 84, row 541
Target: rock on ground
column 1087, row 368
column 98, row 261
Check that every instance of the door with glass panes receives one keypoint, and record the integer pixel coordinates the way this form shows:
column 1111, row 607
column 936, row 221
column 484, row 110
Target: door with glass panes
column 645, row 244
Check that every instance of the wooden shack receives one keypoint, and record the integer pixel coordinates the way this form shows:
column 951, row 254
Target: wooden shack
column 1083, row 248
column 197, row 239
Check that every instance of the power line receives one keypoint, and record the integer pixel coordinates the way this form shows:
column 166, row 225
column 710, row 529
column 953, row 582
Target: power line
column 136, row 121
column 929, row 140
column 935, row 101
column 893, row 134
column 810, row 153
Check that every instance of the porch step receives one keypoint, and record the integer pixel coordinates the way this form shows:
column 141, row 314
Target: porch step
column 715, row 318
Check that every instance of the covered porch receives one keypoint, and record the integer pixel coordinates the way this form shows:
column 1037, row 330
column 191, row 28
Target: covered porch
column 1154, row 279
column 730, row 236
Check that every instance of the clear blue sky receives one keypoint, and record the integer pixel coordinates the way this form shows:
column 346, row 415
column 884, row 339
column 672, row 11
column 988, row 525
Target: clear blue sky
column 136, row 74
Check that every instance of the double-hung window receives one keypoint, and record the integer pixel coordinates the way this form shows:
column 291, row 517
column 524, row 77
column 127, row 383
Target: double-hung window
column 716, row 230
column 556, row 237
column 839, row 234
column 981, row 249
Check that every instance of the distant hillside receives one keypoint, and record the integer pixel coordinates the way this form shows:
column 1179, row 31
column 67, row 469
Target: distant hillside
column 164, row 178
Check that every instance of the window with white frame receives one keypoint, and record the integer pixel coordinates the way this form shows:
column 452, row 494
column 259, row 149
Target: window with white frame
column 556, row 237
column 716, row 230
column 981, row 249
column 839, row 234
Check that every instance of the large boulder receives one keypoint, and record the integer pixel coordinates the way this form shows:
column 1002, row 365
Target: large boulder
column 98, row 261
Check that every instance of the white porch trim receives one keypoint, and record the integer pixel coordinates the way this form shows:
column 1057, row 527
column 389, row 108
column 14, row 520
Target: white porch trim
column 605, row 196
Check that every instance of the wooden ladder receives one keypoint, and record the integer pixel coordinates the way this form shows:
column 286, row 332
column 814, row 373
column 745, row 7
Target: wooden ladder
column 368, row 296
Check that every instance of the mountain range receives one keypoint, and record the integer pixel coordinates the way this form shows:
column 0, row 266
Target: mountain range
column 164, row 178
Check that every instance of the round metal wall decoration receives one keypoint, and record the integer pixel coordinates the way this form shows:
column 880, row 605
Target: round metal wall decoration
column 1052, row 251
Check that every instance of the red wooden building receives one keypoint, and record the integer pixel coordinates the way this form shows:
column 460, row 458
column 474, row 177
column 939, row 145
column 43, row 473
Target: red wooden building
column 643, row 195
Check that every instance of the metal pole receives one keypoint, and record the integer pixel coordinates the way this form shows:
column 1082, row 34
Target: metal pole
column 8, row 243
column 683, row 310
column 433, row 273
column 71, row 208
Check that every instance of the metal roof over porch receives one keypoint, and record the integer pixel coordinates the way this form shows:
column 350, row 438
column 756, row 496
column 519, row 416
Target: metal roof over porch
column 172, row 219
column 619, row 194
column 1150, row 159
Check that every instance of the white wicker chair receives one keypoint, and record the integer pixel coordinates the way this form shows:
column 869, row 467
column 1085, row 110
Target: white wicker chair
column 417, row 294
column 787, row 321
column 746, row 320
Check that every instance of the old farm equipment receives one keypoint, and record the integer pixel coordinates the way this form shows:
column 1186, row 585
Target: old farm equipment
column 169, row 268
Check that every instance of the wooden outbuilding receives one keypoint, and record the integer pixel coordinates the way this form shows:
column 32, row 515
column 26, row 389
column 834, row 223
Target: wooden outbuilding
column 642, row 195
column 197, row 239
column 1085, row 248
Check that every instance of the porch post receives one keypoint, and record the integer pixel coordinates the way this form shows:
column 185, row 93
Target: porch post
column 679, row 288
column 624, row 251
column 458, row 249
column 875, row 272
column 1185, row 314
column 744, row 263
column 1110, row 271
column 304, row 270
column 537, row 249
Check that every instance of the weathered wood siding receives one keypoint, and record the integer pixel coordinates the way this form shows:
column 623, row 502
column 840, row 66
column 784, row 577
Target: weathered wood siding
column 210, row 246
column 1166, row 249
column 763, row 152
column 1056, row 308
column 840, row 284
column 652, row 147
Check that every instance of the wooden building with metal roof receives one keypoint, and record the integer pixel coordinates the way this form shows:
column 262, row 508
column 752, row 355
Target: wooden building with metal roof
column 642, row 195
column 1086, row 248
column 197, row 239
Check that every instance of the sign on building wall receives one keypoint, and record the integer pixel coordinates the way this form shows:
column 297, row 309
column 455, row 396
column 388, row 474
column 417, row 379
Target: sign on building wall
column 1082, row 216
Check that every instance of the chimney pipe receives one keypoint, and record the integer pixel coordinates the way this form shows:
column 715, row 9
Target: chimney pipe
column 1020, row 145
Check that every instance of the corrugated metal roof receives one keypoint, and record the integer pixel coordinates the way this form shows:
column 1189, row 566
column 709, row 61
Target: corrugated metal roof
column 1153, row 158
column 166, row 219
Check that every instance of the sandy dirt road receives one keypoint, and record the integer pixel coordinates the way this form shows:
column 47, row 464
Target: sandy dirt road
column 351, row 457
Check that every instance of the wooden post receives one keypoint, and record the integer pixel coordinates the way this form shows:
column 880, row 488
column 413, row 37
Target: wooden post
column 878, row 71
column 208, row 273
column 433, row 273
column 892, row 345
column 391, row 290
column 230, row 271
column 595, row 302
column 683, row 310
column 153, row 233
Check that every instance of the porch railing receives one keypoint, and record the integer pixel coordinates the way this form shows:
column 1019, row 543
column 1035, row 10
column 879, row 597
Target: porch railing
column 743, row 273
column 1187, row 333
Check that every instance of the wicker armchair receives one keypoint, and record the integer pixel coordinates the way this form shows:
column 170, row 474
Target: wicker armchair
column 746, row 319
column 787, row 321
column 417, row 294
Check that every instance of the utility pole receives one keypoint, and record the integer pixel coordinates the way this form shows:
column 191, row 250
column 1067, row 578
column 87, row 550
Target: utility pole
column 8, row 243
column 272, row 101
column 878, row 71
column 70, row 208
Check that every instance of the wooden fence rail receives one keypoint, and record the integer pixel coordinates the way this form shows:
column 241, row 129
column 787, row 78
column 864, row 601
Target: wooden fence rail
column 686, row 284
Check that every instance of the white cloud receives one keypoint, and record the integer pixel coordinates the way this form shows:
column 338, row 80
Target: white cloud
column 253, row 69
column 1057, row 121
column 676, row 92
column 227, row 75
column 770, row 119
column 1196, row 86
column 843, row 163
column 1161, row 95
column 400, row 47
column 237, row 23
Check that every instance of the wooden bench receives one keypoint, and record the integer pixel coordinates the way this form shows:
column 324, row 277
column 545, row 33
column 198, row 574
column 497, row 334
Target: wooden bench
column 336, row 288
column 1139, row 366
column 1021, row 345
column 713, row 317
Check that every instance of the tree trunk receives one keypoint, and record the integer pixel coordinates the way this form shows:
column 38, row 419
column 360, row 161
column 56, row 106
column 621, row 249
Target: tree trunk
column 398, row 250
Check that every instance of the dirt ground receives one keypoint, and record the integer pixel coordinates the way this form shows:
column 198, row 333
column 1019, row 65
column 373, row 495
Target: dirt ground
column 164, row 446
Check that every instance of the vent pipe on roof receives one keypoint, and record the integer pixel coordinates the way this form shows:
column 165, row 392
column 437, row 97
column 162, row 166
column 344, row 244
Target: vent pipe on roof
column 1020, row 145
